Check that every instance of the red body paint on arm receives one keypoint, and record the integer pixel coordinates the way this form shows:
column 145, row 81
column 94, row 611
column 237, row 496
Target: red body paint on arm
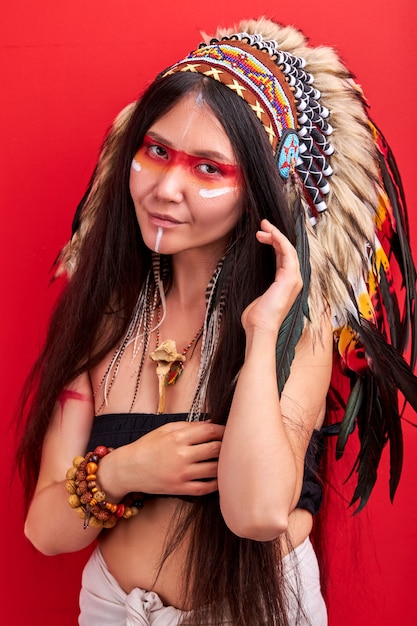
column 69, row 394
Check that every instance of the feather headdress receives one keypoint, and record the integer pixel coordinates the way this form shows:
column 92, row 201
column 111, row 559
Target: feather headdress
column 337, row 165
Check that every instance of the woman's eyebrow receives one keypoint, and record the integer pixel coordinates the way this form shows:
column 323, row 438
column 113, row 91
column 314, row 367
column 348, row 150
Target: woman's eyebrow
column 208, row 154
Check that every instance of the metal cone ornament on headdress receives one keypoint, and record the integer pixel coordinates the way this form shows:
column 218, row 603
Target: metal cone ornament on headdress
column 335, row 161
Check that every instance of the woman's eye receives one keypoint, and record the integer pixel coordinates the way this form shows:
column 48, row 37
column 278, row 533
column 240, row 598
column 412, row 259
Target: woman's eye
column 209, row 169
column 157, row 151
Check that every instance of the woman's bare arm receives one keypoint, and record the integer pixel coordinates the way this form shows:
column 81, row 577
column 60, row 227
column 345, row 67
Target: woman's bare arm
column 262, row 456
column 51, row 525
column 178, row 458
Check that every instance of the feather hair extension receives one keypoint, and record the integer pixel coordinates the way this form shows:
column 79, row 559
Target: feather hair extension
column 293, row 325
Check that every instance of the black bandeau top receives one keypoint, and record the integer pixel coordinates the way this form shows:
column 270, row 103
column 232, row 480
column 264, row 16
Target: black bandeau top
column 118, row 429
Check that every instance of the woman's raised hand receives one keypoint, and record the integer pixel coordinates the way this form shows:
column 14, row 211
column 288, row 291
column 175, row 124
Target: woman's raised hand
column 270, row 309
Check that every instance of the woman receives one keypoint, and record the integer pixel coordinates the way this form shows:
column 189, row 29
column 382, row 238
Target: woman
column 194, row 229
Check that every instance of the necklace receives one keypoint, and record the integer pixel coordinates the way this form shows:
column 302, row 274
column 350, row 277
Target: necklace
column 141, row 327
column 169, row 362
column 137, row 335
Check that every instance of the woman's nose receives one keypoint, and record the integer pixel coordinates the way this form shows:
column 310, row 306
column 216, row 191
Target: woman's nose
column 170, row 184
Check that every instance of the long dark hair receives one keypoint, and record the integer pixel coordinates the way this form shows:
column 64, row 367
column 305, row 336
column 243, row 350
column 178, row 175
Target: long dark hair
column 227, row 573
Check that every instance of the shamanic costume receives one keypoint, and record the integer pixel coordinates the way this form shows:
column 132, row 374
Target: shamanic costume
column 352, row 235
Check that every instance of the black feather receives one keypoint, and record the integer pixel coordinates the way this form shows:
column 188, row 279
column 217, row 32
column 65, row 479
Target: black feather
column 401, row 249
column 372, row 442
column 347, row 425
column 400, row 246
column 292, row 326
column 390, row 304
column 379, row 420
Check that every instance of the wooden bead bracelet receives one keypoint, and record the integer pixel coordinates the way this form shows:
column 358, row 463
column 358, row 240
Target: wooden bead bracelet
column 89, row 500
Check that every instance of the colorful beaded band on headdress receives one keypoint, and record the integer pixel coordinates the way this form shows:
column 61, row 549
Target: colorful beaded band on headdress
column 280, row 93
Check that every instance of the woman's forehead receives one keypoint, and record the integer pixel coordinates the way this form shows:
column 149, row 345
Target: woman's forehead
column 192, row 127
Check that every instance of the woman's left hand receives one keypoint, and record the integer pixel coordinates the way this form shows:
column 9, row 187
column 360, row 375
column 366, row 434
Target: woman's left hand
column 270, row 309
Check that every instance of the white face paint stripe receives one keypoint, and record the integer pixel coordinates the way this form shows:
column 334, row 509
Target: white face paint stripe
column 136, row 166
column 215, row 193
column 158, row 238
column 199, row 101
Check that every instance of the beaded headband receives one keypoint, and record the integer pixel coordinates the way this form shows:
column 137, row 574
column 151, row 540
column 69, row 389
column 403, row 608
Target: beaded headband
column 280, row 93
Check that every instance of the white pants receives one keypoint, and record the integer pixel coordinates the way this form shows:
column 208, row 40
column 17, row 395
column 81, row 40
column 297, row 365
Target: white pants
column 306, row 605
column 104, row 603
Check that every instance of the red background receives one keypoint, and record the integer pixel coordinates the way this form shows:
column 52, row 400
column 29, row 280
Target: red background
column 66, row 69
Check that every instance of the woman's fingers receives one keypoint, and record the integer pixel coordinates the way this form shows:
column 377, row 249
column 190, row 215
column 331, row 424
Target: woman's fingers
column 269, row 310
column 204, row 451
column 286, row 254
column 199, row 487
column 204, row 471
column 193, row 433
column 174, row 458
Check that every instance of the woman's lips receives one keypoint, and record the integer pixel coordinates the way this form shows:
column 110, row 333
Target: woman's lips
column 164, row 221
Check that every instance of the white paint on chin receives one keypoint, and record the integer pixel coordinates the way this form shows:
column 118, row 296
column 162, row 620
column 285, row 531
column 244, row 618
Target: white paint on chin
column 215, row 193
column 136, row 166
column 158, row 238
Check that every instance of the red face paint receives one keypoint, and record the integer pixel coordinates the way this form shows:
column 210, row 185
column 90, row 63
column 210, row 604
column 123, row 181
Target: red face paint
column 156, row 156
